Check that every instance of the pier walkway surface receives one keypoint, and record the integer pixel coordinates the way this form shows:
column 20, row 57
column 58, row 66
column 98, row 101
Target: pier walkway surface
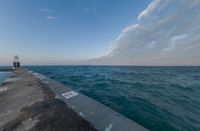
column 31, row 101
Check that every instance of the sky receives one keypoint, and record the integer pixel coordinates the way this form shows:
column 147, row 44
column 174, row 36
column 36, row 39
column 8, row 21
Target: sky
column 100, row 32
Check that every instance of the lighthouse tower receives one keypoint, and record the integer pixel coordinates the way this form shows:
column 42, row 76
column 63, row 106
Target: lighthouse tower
column 16, row 63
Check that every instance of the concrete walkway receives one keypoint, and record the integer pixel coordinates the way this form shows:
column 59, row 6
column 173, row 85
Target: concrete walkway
column 27, row 104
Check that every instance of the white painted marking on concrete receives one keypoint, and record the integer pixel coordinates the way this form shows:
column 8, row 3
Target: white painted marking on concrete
column 109, row 127
column 69, row 94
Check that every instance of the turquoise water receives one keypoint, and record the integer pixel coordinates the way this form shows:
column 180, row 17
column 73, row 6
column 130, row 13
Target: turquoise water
column 159, row 98
column 4, row 76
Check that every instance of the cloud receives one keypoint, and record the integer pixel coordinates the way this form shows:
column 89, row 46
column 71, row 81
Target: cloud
column 179, row 37
column 166, row 33
column 48, row 11
column 51, row 17
column 45, row 10
column 174, row 41
column 151, row 7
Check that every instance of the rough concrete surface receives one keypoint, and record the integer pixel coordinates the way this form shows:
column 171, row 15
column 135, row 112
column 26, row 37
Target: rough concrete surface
column 28, row 104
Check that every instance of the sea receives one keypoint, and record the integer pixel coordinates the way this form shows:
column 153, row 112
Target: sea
column 4, row 76
column 158, row 98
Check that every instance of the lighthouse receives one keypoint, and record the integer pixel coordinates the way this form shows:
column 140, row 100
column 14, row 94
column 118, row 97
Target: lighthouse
column 16, row 63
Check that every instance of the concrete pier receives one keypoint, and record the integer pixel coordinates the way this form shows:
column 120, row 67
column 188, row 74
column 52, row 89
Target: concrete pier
column 27, row 104
column 37, row 90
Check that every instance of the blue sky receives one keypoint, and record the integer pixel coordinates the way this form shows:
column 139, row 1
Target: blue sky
column 124, row 32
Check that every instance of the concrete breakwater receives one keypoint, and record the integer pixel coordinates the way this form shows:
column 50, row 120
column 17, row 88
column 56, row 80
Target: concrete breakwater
column 32, row 101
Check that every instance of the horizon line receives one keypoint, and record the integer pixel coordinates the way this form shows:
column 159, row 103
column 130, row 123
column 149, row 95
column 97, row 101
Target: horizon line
column 104, row 65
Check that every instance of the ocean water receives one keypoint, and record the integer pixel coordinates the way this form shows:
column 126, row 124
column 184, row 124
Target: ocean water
column 4, row 76
column 159, row 98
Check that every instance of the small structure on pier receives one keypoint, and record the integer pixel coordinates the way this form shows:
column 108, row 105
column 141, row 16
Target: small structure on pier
column 16, row 63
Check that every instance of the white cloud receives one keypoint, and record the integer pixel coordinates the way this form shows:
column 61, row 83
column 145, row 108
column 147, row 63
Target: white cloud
column 48, row 12
column 151, row 7
column 179, row 37
column 175, row 41
column 163, row 33
column 51, row 17
column 152, row 44
column 45, row 10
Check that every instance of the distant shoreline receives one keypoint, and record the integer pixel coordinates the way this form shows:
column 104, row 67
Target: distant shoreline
column 8, row 66
column 6, row 70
